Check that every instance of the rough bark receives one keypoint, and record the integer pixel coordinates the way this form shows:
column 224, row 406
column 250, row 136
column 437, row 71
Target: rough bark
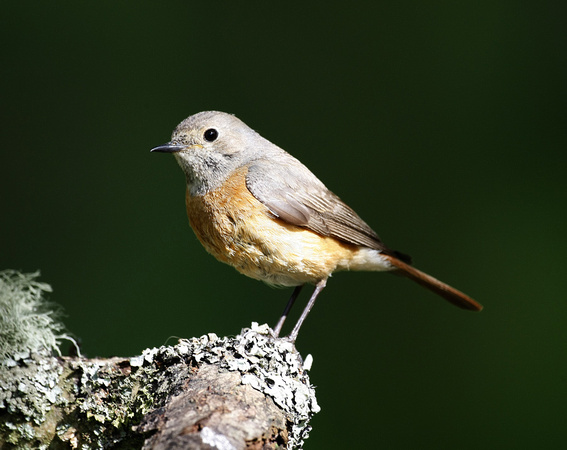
column 247, row 391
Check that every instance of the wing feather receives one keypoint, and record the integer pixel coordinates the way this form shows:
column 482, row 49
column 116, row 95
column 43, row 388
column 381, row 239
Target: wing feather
column 292, row 193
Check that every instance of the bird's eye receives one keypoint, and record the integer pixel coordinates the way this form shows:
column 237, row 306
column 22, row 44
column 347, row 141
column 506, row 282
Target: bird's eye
column 211, row 134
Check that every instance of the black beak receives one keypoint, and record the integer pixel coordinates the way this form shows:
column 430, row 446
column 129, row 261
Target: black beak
column 168, row 148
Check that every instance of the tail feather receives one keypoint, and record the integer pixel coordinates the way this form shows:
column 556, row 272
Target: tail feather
column 449, row 293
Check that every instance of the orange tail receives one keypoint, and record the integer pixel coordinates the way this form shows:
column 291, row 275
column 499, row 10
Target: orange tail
column 450, row 294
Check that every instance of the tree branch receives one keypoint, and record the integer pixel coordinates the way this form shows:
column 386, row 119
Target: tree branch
column 247, row 391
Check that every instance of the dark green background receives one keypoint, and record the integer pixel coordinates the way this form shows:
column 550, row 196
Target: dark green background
column 443, row 124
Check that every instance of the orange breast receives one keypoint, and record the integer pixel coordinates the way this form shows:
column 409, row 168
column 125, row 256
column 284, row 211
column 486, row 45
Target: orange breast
column 238, row 230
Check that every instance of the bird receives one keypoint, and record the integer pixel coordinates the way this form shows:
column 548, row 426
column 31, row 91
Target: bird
column 257, row 208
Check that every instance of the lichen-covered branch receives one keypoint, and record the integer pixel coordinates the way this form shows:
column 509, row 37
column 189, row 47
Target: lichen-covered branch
column 246, row 391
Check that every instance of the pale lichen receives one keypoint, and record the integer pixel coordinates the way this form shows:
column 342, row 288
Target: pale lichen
column 272, row 366
column 78, row 403
column 29, row 394
column 28, row 323
column 104, row 400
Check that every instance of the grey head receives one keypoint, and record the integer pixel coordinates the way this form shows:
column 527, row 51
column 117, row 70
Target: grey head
column 209, row 146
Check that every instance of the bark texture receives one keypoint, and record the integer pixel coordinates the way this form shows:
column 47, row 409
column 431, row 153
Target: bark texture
column 247, row 391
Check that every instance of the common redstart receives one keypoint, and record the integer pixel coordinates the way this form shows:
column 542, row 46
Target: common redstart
column 254, row 206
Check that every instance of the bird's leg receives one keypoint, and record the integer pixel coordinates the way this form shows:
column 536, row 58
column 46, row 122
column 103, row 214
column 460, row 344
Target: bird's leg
column 290, row 303
column 318, row 288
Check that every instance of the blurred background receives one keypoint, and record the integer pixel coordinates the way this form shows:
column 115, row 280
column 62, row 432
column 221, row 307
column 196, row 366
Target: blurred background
column 443, row 124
